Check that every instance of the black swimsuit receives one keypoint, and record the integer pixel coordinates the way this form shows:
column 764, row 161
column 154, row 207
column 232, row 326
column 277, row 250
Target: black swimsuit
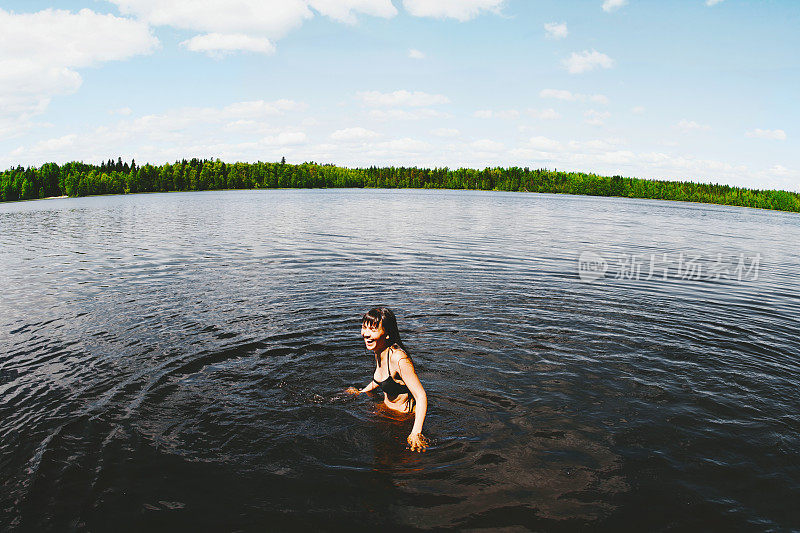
column 392, row 388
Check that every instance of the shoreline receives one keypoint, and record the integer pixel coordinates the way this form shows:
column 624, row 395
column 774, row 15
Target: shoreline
column 64, row 197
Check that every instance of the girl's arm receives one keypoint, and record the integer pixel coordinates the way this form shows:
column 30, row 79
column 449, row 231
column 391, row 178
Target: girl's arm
column 372, row 385
column 416, row 440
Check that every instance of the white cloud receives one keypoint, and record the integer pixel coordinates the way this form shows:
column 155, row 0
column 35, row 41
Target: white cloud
column 609, row 156
column 487, row 145
column 40, row 52
column 544, row 144
column 125, row 111
column 245, row 25
column 57, row 38
column 596, row 118
column 595, row 145
column 488, row 113
column 260, row 108
column 582, row 155
column 353, row 134
column 586, row 61
column 251, row 17
column 445, row 132
column 203, row 132
column 248, row 127
column 226, row 132
column 613, row 5
column 255, row 25
column 637, row 110
column 288, row 138
column 779, row 177
column 406, row 145
column 268, row 18
column 558, row 94
column 554, row 30
column 402, row 114
column 344, row 10
column 413, row 53
column 461, row 10
column 605, row 156
column 713, row 2
column 218, row 44
column 690, row 125
column 780, row 170
column 401, row 99
column 544, row 114
column 561, row 94
column 777, row 135
column 60, row 143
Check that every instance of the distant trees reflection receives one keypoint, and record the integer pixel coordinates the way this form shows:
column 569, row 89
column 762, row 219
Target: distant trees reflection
column 118, row 177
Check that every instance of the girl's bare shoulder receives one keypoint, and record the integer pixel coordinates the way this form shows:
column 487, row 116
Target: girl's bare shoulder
column 397, row 354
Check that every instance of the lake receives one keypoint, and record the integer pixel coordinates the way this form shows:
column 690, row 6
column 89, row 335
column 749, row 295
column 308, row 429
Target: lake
column 178, row 361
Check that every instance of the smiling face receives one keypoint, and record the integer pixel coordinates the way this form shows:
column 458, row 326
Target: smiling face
column 374, row 336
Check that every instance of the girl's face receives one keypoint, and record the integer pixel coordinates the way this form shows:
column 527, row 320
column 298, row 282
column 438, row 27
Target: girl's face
column 374, row 336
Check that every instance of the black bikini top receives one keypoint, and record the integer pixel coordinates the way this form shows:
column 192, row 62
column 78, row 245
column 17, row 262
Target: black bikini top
column 389, row 385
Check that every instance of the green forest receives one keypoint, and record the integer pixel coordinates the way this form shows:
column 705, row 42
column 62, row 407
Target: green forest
column 116, row 177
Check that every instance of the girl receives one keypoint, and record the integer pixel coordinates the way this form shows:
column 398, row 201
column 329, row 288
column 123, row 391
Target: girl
column 394, row 371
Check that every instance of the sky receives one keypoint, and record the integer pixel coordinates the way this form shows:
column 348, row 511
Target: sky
column 698, row 90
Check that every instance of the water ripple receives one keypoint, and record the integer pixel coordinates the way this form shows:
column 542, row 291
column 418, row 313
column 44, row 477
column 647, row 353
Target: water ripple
column 180, row 360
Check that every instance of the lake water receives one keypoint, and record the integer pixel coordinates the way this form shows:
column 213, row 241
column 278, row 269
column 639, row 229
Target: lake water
column 178, row 361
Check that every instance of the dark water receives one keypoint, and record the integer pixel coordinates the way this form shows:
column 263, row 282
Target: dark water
column 177, row 361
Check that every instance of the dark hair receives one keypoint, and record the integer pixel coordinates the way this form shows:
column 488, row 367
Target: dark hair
column 383, row 316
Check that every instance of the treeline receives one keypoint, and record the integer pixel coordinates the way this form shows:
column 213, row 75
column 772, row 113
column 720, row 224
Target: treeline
column 116, row 177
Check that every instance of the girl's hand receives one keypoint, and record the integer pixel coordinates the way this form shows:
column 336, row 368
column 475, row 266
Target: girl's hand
column 352, row 390
column 417, row 442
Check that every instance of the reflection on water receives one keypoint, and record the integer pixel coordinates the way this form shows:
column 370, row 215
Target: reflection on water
column 179, row 360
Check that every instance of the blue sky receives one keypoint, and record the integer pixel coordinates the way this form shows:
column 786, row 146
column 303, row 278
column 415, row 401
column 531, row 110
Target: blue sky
column 704, row 90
